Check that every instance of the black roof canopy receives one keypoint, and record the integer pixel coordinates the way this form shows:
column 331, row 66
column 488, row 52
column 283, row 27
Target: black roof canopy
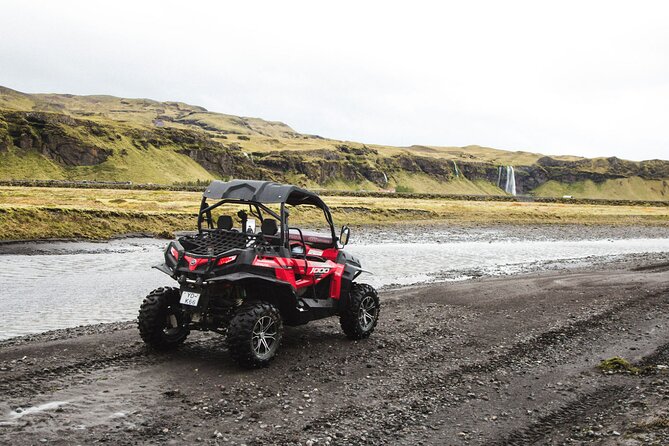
column 261, row 192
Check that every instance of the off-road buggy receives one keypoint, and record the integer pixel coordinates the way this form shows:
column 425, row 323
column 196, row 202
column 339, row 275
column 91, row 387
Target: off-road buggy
column 247, row 284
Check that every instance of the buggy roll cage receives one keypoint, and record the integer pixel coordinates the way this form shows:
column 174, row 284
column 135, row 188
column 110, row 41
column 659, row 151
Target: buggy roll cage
column 253, row 194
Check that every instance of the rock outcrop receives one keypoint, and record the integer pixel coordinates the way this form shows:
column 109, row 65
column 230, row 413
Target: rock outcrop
column 48, row 134
column 229, row 162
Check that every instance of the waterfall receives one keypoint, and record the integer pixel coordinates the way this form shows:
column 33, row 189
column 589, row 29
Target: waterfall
column 499, row 176
column 457, row 172
column 385, row 178
column 510, row 187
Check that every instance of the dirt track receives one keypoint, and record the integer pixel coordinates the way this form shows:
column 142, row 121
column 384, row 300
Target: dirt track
column 493, row 361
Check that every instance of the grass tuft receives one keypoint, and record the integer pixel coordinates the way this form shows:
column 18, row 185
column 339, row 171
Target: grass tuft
column 618, row 364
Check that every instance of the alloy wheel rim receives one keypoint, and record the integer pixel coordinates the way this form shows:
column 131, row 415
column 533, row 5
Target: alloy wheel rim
column 367, row 313
column 264, row 337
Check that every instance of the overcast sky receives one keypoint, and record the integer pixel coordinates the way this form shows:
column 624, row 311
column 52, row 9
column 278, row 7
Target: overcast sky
column 588, row 78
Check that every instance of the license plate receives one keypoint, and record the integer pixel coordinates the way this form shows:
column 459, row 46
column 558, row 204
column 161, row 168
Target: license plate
column 189, row 298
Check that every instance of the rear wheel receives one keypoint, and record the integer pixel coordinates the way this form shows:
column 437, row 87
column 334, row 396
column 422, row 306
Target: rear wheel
column 361, row 314
column 160, row 321
column 254, row 334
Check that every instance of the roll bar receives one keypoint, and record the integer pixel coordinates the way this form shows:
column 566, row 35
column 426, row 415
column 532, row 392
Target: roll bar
column 282, row 217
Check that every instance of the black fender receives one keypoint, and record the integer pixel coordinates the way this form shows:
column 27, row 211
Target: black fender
column 269, row 289
column 243, row 276
column 163, row 268
column 352, row 270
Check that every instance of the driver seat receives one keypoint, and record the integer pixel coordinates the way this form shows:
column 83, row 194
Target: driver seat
column 269, row 227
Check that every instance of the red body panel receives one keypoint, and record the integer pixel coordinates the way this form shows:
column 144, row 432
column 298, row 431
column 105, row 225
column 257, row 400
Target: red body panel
column 292, row 270
column 224, row 260
column 195, row 262
column 320, row 264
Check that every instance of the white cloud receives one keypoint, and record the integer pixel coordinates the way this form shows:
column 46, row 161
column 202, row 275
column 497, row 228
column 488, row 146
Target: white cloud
column 588, row 77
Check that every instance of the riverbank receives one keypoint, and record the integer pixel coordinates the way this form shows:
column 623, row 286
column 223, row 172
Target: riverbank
column 507, row 360
column 410, row 233
column 43, row 213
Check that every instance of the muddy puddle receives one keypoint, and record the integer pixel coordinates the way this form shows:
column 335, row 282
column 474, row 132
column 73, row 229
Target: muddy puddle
column 53, row 285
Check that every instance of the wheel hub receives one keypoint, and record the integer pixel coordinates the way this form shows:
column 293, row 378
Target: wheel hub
column 367, row 313
column 264, row 337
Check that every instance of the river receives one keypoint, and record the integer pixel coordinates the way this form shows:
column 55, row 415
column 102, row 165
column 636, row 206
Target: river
column 53, row 285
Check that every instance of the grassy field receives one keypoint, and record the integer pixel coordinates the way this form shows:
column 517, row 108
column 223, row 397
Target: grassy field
column 150, row 165
column 633, row 188
column 33, row 212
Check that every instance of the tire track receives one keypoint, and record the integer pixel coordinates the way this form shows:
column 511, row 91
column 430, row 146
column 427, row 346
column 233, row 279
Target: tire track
column 38, row 381
column 33, row 382
column 419, row 392
column 600, row 399
column 659, row 356
column 568, row 415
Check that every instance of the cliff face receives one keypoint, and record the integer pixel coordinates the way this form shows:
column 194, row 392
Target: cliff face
column 101, row 137
column 366, row 164
column 46, row 134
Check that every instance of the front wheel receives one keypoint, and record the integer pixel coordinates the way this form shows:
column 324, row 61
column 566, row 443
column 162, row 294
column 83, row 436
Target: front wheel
column 160, row 321
column 254, row 334
column 358, row 319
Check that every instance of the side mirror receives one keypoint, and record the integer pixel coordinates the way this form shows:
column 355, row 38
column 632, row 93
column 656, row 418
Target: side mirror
column 344, row 236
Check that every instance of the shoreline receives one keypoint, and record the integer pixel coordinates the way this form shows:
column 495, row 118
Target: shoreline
column 128, row 236
column 566, row 231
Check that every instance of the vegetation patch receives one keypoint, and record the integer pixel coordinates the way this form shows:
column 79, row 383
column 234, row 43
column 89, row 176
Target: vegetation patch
column 68, row 212
column 621, row 365
column 618, row 365
column 632, row 188
column 62, row 223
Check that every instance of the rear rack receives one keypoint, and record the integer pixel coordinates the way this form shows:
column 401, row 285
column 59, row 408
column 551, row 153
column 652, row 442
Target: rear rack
column 219, row 241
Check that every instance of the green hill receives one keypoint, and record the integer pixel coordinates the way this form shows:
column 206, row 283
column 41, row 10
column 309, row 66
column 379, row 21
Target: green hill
column 61, row 136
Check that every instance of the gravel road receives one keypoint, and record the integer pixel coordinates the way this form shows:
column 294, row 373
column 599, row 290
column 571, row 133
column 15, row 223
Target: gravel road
column 494, row 361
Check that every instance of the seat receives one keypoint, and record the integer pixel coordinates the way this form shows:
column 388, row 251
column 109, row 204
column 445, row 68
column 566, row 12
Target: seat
column 224, row 222
column 269, row 227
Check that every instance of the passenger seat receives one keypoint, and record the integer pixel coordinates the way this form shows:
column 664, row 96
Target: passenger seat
column 224, row 222
column 269, row 227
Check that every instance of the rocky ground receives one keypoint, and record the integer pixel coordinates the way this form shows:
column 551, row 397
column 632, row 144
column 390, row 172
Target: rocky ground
column 440, row 232
column 494, row 361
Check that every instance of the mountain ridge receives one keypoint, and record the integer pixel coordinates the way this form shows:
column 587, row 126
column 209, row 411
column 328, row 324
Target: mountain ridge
column 102, row 137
